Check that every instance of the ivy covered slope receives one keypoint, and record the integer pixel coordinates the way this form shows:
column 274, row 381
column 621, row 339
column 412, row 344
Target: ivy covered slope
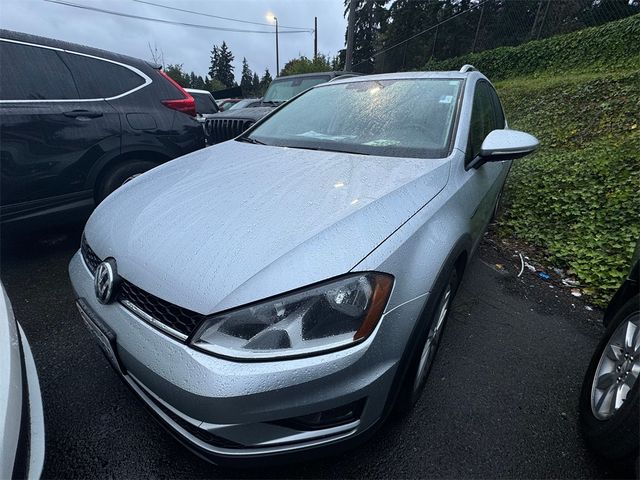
column 578, row 197
column 614, row 45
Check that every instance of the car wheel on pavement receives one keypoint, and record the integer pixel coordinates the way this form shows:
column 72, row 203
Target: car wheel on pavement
column 428, row 346
column 609, row 397
column 120, row 175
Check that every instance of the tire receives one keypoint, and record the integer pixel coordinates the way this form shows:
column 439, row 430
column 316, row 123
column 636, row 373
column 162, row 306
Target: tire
column 119, row 175
column 613, row 434
column 427, row 347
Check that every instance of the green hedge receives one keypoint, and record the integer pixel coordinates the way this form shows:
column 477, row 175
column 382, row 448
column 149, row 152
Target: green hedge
column 614, row 45
column 579, row 196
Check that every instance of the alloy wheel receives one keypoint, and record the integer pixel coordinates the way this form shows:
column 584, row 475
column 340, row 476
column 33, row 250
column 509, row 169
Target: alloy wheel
column 618, row 369
column 433, row 338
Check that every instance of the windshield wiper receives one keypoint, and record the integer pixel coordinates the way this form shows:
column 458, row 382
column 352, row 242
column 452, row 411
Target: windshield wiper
column 324, row 149
column 271, row 102
column 250, row 140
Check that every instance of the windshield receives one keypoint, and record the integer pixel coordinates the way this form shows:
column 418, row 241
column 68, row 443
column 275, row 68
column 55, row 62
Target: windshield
column 282, row 89
column 396, row 118
column 204, row 102
column 242, row 104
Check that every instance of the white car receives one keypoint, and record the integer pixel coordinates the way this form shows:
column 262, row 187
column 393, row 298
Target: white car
column 206, row 106
column 21, row 418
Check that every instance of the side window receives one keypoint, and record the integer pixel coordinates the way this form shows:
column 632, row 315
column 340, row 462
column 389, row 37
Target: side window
column 33, row 73
column 497, row 108
column 483, row 119
column 99, row 79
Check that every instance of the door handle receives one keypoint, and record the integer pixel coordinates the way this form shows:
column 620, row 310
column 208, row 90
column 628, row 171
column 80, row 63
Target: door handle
column 83, row 113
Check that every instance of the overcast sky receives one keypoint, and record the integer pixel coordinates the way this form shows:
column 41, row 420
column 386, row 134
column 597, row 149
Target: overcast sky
column 181, row 44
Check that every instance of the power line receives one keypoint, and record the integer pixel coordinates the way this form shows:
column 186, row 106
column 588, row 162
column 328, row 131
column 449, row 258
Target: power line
column 479, row 4
column 215, row 16
column 169, row 22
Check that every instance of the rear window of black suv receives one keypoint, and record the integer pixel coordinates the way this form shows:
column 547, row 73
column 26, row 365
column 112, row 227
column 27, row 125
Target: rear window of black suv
column 97, row 78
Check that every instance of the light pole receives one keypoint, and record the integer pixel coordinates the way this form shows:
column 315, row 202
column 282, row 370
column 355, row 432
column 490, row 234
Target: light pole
column 277, row 50
column 272, row 17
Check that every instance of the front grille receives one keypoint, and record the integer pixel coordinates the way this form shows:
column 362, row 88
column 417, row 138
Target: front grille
column 89, row 256
column 223, row 129
column 175, row 317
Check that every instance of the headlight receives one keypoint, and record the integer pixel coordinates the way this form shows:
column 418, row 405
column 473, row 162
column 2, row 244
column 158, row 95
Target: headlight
column 322, row 317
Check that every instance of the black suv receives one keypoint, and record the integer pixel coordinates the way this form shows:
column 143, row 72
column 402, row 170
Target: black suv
column 77, row 122
column 227, row 125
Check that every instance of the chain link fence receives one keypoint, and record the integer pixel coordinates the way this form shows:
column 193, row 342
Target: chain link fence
column 488, row 24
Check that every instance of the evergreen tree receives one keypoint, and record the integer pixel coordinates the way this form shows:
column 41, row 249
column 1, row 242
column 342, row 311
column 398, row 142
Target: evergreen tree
column 196, row 81
column 246, row 80
column 337, row 62
column 370, row 18
column 224, row 67
column 255, row 85
column 215, row 62
column 265, row 81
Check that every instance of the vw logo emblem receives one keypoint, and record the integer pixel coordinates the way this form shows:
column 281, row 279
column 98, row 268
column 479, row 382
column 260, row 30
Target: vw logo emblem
column 104, row 282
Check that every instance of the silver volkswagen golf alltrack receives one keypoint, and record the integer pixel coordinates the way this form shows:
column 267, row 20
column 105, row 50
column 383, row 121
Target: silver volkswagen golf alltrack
column 276, row 295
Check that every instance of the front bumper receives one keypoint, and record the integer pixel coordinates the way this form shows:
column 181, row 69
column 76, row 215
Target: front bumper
column 36, row 449
column 226, row 410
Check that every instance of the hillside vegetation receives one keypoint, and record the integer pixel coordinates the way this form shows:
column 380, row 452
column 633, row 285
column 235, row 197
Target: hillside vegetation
column 578, row 197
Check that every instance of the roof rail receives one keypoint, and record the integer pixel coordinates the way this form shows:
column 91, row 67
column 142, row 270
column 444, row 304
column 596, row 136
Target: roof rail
column 468, row 68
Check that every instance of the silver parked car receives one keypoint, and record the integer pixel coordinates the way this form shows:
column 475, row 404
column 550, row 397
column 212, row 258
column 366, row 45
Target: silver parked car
column 282, row 291
column 21, row 418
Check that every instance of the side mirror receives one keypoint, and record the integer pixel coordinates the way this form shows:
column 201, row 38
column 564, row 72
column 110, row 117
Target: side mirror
column 505, row 144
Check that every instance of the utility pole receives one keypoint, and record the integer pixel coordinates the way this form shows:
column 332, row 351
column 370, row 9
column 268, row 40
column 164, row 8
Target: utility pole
column 535, row 20
column 315, row 37
column 475, row 39
column 351, row 22
column 435, row 40
column 544, row 18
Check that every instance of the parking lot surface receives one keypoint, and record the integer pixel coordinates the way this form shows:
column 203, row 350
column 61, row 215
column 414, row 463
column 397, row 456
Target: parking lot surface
column 500, row 402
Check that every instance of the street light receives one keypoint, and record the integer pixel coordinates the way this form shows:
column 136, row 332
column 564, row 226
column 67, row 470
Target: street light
column 271, row 17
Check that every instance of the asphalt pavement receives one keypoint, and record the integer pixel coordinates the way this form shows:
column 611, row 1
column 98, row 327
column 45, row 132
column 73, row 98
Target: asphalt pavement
column 501, row 400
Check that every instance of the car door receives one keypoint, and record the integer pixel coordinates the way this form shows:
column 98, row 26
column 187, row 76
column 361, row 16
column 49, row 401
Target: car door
column 50, row 133
column 483, row 184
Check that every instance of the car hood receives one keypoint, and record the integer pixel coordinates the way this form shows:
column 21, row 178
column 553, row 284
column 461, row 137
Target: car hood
column 237, row 222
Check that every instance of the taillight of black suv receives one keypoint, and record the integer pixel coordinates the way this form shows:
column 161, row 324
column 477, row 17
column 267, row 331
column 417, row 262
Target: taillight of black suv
column 185, row 105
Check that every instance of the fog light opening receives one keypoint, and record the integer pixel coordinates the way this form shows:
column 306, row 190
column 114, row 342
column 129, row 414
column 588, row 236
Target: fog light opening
column 333, row 417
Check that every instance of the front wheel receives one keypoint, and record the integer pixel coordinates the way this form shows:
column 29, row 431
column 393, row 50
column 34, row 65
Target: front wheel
column 609, row 397
column 428, row 346
column 119, row 175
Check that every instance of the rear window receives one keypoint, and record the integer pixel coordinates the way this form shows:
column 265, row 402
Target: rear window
column 101, row 79
column 33, row 73
column 204, row 103
column 284, row 89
